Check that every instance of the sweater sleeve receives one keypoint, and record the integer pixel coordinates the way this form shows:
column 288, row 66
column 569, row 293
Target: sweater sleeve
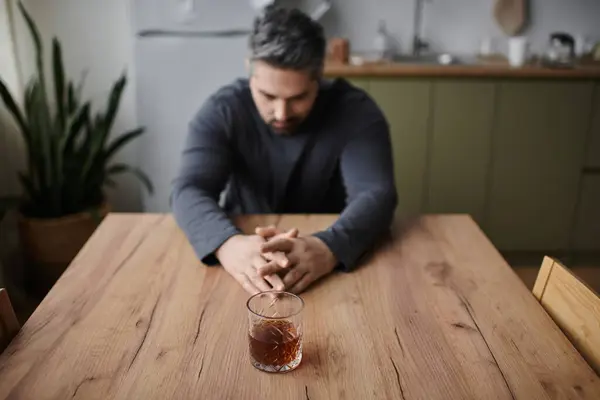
column 203, row 174
column 368, row 173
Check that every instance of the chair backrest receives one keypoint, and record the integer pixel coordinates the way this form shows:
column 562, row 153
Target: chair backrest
column 573, row 306
column 9, row 324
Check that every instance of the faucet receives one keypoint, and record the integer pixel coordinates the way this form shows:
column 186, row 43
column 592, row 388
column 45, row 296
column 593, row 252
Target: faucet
column 419, row 43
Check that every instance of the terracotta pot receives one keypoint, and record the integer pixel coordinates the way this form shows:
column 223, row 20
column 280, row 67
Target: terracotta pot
column 52, row 243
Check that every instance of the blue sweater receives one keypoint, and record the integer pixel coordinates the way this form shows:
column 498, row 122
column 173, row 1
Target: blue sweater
column 338, row 161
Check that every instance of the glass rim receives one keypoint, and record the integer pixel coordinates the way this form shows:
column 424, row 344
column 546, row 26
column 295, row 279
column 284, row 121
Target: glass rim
column 276, row 292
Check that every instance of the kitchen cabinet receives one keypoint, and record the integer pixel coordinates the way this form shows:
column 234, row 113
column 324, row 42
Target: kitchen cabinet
column 460, row 147
column 586, row 235
column 406, row 104
column 537, row 158
column 593, row 148
column 360, row 83
column 521, row 156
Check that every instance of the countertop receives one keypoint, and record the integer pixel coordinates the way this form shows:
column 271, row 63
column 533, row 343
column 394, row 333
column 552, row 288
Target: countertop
column 435, row 313
column 483, row 69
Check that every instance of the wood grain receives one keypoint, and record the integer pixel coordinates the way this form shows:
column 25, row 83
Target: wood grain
column 479, row 70
column 435, row 313
column 573, row 305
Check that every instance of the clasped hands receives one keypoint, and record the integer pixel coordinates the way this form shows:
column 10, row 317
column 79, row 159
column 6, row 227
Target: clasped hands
column 274, row 260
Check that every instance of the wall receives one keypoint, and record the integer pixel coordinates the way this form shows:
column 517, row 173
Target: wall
column 95, row 36
column 10, row 143
column 456, row 25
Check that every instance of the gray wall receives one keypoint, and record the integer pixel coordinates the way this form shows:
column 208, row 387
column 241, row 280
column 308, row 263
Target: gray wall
column 455, row 25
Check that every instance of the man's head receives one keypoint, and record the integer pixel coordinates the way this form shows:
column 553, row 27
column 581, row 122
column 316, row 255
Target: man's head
column 287, row 52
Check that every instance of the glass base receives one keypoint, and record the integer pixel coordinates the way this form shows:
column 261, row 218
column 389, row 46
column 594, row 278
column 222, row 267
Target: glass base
column 278, row 368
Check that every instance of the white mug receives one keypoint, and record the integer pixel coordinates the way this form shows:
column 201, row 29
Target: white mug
column 517, row 51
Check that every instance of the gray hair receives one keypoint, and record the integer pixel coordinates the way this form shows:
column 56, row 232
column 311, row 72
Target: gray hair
column 288, row 39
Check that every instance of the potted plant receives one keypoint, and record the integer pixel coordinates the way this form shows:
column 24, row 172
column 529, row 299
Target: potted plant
column 69, row 159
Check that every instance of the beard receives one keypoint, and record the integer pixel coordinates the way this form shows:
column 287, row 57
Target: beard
column 285, row 127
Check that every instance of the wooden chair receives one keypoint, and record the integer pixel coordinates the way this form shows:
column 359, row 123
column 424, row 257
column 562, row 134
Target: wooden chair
column 9, row 324
column 573, row 306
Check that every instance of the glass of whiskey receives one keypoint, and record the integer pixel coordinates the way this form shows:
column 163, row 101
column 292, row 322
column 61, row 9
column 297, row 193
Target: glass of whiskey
column 275, row 331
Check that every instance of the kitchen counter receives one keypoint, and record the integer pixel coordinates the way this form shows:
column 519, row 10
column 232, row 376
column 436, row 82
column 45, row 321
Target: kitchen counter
column 459, row 70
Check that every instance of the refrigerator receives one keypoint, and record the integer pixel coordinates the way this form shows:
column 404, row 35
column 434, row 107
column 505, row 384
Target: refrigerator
column 184, row 50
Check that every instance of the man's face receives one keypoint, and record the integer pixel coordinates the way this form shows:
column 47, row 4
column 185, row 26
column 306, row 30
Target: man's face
column 283, row 97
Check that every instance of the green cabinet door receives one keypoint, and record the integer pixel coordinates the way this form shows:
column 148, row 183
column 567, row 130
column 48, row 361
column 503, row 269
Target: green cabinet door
column 460, row 147
column 593, row 148
column 406, row 104
column 362, row 83
column 538, row 154
column 586, row 235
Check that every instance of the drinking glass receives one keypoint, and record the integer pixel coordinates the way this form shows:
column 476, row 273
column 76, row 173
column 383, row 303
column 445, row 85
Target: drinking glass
column 275, row 331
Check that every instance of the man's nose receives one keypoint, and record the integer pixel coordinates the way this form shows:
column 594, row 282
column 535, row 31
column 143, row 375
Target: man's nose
column 281, row 111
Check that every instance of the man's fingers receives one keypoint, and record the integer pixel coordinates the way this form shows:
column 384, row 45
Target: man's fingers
column 271, row 232
column 292, row 277
column 260, row 283
column 282, row 259
column 270, row 268
column 302, row 284
column 247, row 285
column 266, row 232
column 282, row 245
column 292, row 233
column 275, row 281
column 258, row 262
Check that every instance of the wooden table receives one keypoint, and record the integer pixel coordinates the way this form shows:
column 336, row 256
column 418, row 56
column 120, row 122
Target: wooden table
column 436, row 313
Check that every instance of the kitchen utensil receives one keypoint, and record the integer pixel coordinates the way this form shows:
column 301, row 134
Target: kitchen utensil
column 561, row 50
column 338, row 50
column 510, row 15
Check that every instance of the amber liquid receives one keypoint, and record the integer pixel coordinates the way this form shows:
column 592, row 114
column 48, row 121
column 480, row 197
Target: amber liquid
column 274, row 343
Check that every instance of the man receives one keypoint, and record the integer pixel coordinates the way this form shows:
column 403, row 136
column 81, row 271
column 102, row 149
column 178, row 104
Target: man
column 285, row 141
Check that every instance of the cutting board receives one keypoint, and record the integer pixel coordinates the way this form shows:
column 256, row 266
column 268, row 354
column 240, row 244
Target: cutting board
column 511, row 15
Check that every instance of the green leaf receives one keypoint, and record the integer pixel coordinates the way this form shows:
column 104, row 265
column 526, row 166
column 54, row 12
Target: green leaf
column 121, row 141
column 59, row 85
column 40, row 135
column 11, row 104
column 116, row 169
column 30, row 190
column 72, row 101
column 93, row 150
column 39, row 49
column 75, row 128
column 113, row 104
